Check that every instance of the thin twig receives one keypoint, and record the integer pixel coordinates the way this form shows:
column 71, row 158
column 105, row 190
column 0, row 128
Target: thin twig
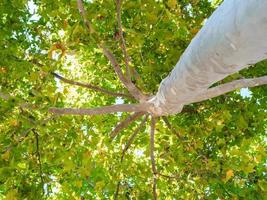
column 124, row 50
column 123, row 124
column 167, row 176
column 25, row 133
column 100, row 110
column 168, row 124
column 132, row 137
column 152, row 145
column 90, row 86
column 39, row 158
column 83, row 14
column 152, row 156
column 117, row 190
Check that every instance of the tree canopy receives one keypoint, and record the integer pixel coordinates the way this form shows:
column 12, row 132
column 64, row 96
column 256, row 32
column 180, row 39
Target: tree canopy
column 51, row 56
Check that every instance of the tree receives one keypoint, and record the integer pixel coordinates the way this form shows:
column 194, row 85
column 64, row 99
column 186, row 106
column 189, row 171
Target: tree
column 212, row 149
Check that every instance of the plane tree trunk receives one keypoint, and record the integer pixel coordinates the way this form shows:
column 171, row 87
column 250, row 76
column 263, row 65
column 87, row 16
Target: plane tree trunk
column 233, row 38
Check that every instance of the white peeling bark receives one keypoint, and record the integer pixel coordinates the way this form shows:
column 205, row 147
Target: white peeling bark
column 234, row 37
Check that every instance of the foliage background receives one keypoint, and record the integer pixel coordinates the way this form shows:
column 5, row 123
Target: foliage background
column 221, row 151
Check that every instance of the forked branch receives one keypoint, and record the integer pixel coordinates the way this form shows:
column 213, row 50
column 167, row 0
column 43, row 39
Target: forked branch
column 127, row 83
column 132, row 137
column 90, row 86
column 152, row 156
column 134, row 91
column 100, row 110
column 228, row 87
column 125, row 123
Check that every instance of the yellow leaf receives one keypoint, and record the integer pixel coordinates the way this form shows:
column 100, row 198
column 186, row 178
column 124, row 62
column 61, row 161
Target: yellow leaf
column 258, row 158
column 50, row 51
column 84, row 172
column 194, row 31
column 57, row 46
column 65, row 91
column 99, row 185
column 34, row 76
column 13, row 122
column 5, row 156
column 22, row 165
column 79, row 184
column 68, row 165
column 172, row 4
column 229, row 174
column 3, row 70
column 11, row 195
column 263, row 185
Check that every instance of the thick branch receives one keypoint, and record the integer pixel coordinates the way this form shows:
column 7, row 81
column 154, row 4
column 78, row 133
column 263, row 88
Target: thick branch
column 100, row 110
column 154, row 187
column 125, row 123
column 152, row 156
column 127, row 83
column 228, row 87
column 126, row 56
column 132, row 137
column 93, row 87
column 165, row 119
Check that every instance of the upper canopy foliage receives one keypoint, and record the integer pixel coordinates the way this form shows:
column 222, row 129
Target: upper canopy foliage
column 219, row 150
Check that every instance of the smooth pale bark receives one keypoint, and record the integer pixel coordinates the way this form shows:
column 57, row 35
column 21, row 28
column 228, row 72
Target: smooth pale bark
column 132, row 137
column 228, row 87
column 100, row 110
column 152, row 156
column 90, row 86
column 126, row 82
column 123, row 124
column 233, row 38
